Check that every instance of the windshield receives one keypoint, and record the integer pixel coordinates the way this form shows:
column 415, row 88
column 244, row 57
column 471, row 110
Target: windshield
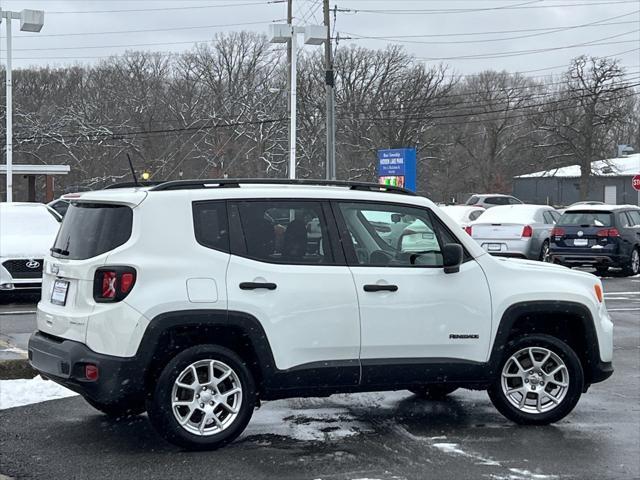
column 585, row 218
column 91, row 229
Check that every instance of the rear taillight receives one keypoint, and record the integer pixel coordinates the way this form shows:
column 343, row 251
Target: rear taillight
column 112, row 284
column 608, row 232
column 527, row 231
column 557, row 232
column 468, row 229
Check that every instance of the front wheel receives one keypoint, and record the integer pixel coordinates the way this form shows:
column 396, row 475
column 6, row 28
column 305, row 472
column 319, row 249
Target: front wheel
column 204, row 398
column 433, row 392
column 633, row 265
column 540, row 381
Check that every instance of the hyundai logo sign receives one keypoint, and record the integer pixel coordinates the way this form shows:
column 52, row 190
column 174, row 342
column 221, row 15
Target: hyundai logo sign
column 32, row 264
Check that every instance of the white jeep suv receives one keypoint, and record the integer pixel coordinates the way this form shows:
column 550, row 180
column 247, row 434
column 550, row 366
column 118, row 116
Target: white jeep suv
column 194, row 300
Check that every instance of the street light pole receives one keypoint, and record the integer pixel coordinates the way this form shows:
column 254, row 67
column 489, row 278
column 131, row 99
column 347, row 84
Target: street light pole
column 9, row 115
column 30, row 21
column 283, row 33
column 293, row 91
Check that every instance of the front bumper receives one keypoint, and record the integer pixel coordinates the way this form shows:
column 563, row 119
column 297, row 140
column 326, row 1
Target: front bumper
column 63, row 361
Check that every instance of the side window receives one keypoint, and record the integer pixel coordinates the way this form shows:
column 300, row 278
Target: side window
column 514, row 201
column 286, row 231
column 497, row 200
column 634, row 216
column 475, row 214
column 210, row 225
column 556, row 216
column 393, row 235
column 623, row 220
column 549, row 219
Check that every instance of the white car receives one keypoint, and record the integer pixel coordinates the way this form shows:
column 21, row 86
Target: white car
column 27, row 232
column 195, row 300
column 463, row 214
column 520, row 231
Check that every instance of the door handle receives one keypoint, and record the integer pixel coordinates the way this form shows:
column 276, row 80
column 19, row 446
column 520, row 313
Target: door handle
column 257, row 285
column 380, row 288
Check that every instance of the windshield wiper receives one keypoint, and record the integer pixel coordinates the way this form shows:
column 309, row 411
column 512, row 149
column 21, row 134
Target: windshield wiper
column 59, row 251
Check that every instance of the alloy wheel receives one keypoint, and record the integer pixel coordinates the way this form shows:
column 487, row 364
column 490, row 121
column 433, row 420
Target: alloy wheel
column 206, row 397
column 535, row 380
column 635, row 262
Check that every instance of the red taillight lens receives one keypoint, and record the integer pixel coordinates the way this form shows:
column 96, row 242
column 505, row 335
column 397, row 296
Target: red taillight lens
column 112, row 284
column 468, row 229
column 108, row 284
column 126, row 282
column 608, row 232
column 527, row 231
column 91, row 372
column 557, row 232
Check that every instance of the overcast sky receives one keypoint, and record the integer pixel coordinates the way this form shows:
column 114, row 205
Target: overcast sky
column 534, row 36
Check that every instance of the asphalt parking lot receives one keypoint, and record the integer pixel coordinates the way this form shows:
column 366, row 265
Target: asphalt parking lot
column 390, row 435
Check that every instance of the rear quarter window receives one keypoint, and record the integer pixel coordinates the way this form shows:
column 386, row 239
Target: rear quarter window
column 210, row 225
column 91, row 229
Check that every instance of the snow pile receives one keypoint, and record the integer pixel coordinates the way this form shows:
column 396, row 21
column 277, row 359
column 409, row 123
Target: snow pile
column 15, row 393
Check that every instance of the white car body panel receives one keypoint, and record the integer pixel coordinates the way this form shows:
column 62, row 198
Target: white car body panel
column 314, row 314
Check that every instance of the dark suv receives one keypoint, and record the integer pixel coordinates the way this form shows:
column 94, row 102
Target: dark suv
column 601, row 236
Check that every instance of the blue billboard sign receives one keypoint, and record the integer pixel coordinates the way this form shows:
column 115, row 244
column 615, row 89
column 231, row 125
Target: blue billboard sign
column 397, row 167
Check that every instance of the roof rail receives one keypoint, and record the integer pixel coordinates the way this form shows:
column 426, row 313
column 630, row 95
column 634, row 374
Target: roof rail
column 143, row 183
column 237, row 182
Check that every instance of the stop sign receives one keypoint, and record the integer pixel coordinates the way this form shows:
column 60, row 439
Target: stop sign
column 636, row 182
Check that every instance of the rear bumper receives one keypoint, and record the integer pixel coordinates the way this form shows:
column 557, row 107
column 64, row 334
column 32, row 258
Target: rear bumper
column 510, row 248
column 63, row 361
column 577, row 259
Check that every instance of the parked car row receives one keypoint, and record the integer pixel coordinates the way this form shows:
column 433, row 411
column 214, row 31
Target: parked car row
column 586, row 234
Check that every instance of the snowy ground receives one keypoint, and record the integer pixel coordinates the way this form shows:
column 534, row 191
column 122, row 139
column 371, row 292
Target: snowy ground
column 15, row 393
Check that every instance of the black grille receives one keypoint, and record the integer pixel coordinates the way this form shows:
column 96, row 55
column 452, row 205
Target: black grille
column 19, row 268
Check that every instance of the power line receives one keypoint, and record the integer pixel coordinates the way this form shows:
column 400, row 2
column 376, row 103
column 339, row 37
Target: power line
column 539, row 32
column 147, row 30
column 440, row 11
column 165, row 9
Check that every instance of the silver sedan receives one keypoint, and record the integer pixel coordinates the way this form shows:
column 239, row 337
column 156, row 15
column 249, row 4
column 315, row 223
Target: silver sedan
column 520, row 231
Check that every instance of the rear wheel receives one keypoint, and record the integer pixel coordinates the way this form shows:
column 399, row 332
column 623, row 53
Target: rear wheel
column 118, row 410
column 633, row 265
column 433, row 392
column 540, row 381
column 204, row 398
column 545, row 252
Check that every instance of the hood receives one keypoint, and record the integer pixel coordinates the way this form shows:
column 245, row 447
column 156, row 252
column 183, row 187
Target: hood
column 534, row 265
column 16, row 246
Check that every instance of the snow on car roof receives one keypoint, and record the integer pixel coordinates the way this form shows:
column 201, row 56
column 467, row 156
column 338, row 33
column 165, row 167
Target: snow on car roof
column 511, row 213
column 598, row 208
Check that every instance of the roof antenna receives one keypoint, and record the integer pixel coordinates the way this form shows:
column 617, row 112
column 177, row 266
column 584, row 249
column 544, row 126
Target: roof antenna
column 133, row 172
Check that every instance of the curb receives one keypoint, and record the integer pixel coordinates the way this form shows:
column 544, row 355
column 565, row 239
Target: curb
column 15, row 369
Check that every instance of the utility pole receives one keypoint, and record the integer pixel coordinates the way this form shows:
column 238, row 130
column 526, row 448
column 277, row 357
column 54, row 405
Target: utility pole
column 330, row 93
column 289, row 60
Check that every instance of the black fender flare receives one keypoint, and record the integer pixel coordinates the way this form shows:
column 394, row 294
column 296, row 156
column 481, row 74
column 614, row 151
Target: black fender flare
column 595, row 370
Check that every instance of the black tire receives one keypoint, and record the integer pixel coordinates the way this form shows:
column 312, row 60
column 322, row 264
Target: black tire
column 632, row 267
column 433, row 392
column 117, row 410
column 159, row 405
column 545, row 254
column 574, row 389
column 602, row 271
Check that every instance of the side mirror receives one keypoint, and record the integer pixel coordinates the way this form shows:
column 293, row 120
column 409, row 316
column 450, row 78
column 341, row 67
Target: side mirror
column 452, row 254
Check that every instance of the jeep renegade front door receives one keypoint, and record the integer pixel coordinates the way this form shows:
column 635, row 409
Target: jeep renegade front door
column 412, row 313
